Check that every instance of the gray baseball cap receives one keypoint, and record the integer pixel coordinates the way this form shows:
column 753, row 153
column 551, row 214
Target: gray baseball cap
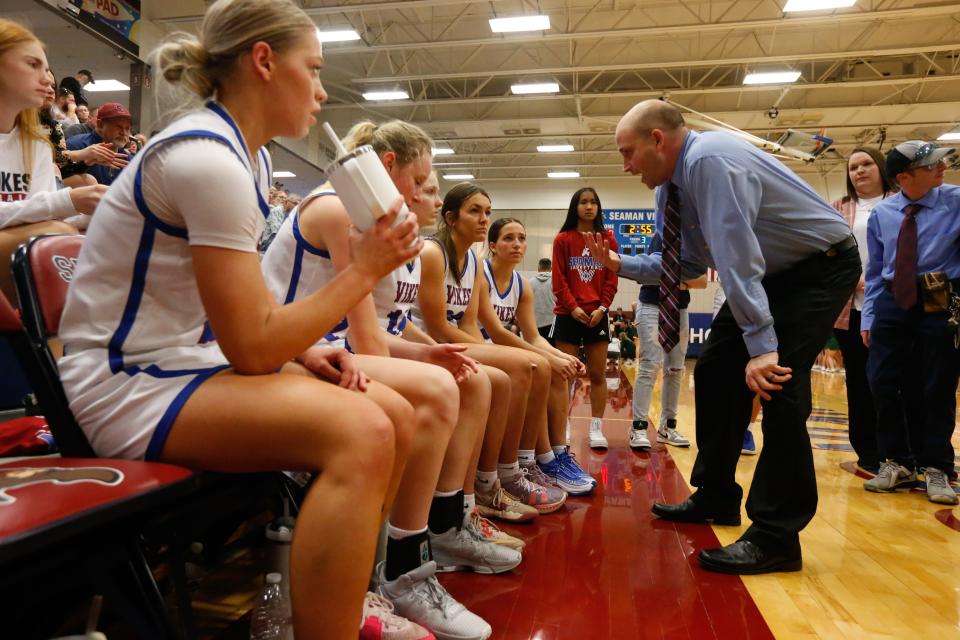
column 915, row 153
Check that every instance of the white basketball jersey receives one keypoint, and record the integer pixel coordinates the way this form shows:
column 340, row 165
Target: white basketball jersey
column 134, row 291
column 293, row 268
column 395, row 295
column 505, row 304
column 458, row 295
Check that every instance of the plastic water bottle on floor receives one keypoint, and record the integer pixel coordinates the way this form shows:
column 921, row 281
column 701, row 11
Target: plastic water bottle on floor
column 272, row 619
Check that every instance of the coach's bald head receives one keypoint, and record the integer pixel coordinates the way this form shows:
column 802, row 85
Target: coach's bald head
column 649, row 137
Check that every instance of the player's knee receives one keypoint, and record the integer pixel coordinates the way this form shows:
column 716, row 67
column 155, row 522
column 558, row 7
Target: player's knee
column 444, row 399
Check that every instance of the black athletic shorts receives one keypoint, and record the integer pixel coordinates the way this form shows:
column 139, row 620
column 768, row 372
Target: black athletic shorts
column 566, row 329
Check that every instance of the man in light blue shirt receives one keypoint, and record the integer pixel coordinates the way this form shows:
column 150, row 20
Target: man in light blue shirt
column 911, row 237
column 787, row 263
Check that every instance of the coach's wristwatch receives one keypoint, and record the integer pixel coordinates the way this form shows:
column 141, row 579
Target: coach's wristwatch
column 603, row 308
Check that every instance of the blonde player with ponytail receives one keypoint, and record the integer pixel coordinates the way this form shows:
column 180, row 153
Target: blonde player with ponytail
column 174, row 245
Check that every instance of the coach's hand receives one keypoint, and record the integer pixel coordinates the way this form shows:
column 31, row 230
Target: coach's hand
column 764, row 374
column 599, row 246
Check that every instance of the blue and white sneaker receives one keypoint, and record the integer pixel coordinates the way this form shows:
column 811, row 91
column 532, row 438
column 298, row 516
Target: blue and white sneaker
column 569, row 461
column 749, row 447
column 566, row 478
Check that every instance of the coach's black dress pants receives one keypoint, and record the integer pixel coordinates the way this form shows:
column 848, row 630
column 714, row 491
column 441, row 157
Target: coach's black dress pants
column 804, row 300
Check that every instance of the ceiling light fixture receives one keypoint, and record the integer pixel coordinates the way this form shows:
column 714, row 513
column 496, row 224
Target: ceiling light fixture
column 519, row 23
column 458, row 176
column 443, row 151
column 339, row 35
column 554, row 148
column 385, row 95
column 106, row 85
column 541, row 87
column 817, row 5
column 950, row 136
column 563, row 174
column 771, row 77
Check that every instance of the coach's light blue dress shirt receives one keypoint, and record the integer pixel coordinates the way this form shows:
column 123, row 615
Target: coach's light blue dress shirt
column 745, row 214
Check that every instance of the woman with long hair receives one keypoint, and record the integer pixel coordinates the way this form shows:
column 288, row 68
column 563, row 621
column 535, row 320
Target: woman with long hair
column 30, row 203
column 584, row 289
column 448, row 310
column 167, row 253
column 310, row 248
column 507, row 298
column 867, row 185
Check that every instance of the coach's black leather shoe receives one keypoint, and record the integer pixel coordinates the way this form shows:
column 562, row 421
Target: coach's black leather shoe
column 689, row 511
column 746, row 558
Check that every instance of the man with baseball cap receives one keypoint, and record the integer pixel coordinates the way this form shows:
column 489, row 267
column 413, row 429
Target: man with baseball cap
column 113, row 132
column 913, row 239
column 76, row 85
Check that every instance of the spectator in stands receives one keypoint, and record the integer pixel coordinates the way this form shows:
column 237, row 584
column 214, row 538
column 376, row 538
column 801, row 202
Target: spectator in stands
column 76, row 84
column 543, row 299
column 30, row 203
column 70, row 165
column 292, row 201
column 913, row 242
column 83, row 113
column 84, row 127
column 64, row 108
column 278, row 213
column 628, row 348
column 113, row 128
column 867, row 185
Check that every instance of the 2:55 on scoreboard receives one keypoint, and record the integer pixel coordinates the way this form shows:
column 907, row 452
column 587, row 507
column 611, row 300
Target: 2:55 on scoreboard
column 629, row 229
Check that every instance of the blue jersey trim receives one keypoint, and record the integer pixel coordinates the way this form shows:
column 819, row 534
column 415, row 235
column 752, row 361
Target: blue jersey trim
column 151, row 224
column 159, row 437
column 140, row 265
column 302, row 242
column 217, row 109
column 294, row 276
column 492, row 279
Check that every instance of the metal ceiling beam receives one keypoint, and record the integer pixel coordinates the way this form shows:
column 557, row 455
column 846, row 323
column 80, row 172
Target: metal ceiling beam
column 673, row 30
column 675, row 64
column 654, row 93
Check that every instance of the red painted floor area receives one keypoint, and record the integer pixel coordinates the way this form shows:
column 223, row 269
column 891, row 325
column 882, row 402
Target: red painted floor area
column 603, row 567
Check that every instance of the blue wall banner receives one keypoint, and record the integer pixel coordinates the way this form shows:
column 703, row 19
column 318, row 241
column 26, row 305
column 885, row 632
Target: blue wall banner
column 699, row 330
column 632, row 228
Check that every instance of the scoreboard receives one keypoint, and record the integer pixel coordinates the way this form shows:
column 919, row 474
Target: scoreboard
column 633, row 228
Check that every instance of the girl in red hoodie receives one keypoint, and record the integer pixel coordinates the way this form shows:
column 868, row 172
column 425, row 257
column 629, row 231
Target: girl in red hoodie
column 584, row 289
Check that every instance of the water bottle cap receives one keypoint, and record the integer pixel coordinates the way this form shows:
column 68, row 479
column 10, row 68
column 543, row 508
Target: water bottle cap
column 274, row 578
column 278, row 531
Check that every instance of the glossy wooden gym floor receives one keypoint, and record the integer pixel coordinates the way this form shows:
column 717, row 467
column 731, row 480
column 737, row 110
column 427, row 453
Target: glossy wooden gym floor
column 875, row 566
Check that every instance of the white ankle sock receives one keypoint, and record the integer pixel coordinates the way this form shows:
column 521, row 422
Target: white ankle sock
column 526, row 457
column 486, row 480
column 469, row 503
column 399, row 534
column 509, row 471
column 546, row 458
column 559, row 451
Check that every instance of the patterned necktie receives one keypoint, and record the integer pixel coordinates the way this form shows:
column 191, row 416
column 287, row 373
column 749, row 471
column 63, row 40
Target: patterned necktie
column 905, row 265
column 669, row 317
